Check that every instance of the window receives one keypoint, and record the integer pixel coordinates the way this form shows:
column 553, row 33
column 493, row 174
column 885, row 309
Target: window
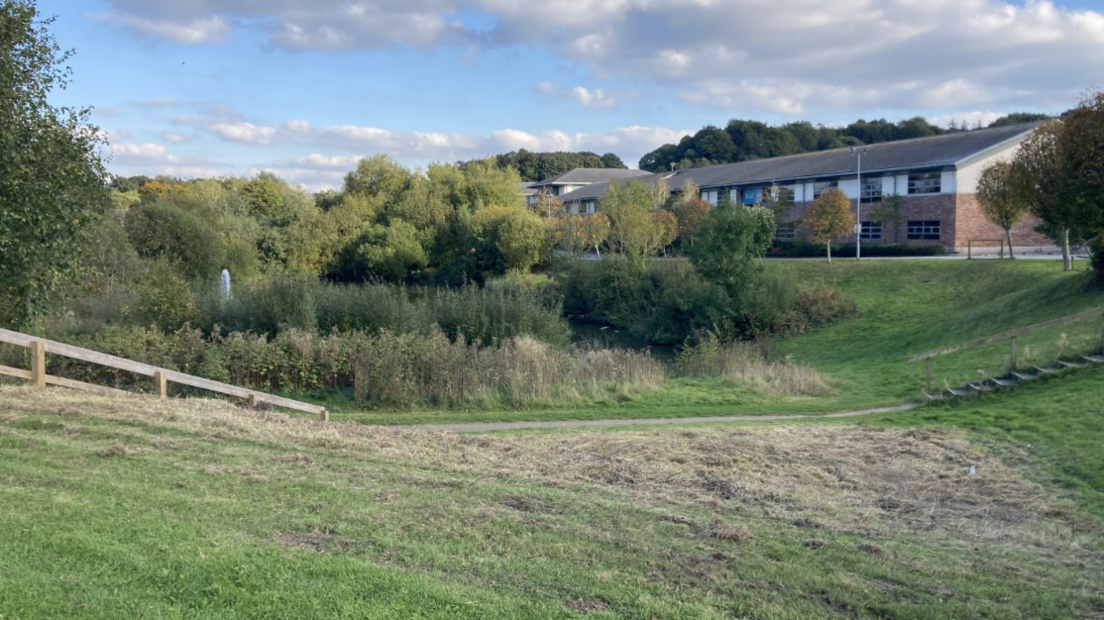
column 785, row 232
column 872, row 189
column 822, row 186
column 925, row 183
column 924, row 230
column 873, row 232
column 723, row 195
column 590, row 206
column 752, row 195
column 784, row 195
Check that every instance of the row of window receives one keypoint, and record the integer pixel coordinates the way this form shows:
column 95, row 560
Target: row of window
column 918, row 183
column 918, row 230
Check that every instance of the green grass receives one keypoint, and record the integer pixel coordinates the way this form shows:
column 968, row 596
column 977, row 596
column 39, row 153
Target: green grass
column 135, row 509
column 908, row 307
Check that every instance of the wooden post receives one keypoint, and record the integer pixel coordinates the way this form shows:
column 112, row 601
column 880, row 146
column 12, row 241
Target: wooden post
column 1012, row 363
column 162, row 382
column 928, row 373
column 325, row 415
column 253, row 401
column 38, row 364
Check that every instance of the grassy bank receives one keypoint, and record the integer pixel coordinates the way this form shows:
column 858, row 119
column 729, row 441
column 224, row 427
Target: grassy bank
column 128, row 508
column 908, row 307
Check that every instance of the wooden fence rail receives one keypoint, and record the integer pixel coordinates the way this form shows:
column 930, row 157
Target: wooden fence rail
column 39, row 347
column 1011, row 336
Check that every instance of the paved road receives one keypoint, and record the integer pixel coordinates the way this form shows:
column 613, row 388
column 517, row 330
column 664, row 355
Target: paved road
column 477, row 427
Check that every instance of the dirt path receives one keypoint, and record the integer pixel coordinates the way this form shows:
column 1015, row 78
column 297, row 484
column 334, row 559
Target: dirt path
column 476, row 427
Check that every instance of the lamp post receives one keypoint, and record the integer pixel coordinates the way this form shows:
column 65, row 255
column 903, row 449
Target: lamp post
column 858, row 201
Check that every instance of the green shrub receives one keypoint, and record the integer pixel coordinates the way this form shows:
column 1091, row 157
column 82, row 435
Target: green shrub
column 801, row 249
column 164, row 231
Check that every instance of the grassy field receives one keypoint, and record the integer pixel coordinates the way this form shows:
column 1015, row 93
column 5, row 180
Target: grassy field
column 194, row 509
column 908, row 307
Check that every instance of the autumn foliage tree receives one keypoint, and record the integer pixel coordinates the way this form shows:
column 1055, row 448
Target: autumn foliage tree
column 999, row 200
column 691, row 213
column 635, row 231
column 829, row 217
column 595, row 231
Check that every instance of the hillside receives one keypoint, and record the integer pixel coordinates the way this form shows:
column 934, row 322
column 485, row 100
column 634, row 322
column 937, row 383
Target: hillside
column 130, row 507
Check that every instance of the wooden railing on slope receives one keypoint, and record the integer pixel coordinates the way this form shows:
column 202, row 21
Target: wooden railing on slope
column 39, row 347
column 1008, row 335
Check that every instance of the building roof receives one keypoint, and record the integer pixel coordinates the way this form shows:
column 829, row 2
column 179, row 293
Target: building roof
column 527, row 189
column 591, row 175
column 934, row 152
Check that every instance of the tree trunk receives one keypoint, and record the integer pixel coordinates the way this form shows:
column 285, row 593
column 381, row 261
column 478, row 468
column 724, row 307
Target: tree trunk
column 829, row 245
column 1008, row 233
column 1067, row 257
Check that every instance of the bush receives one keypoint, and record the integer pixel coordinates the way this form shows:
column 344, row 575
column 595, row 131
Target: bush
column 167, row 232
column 800, row 249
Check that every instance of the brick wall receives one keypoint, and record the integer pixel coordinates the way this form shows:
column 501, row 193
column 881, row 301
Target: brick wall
column 959, row 216
column 973, row 225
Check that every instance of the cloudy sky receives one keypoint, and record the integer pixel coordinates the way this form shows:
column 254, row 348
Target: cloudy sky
column 208, row 87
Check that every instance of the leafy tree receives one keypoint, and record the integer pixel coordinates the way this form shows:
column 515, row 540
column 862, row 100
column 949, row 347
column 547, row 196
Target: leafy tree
column 829, row 217
column 691, row 213
column 52, row 182
column 570, row 234
column 668, row 225
column 392, row 252
column 634, row 230
column 596, row 230
column 1081, row 149
column 182, row 238
column 731, row 239
column 887, row 213
column 548, row 205
column 999, row 200
column 1037, row 176
column 522, row 240
column 609, row 160
column 1018, row 118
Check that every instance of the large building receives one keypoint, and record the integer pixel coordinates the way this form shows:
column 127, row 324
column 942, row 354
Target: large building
column 580, row 177
column 936, row 178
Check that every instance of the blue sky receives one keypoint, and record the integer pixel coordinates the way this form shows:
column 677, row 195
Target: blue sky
column 212, row 87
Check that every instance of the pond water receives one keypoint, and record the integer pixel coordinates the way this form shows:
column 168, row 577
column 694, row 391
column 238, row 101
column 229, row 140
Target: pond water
column 583, row 330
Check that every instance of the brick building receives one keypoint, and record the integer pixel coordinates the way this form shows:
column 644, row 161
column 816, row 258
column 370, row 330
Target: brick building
column 936, row 178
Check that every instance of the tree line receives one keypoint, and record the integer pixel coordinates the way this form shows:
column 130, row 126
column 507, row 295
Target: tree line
column 534, row 167
column 743, row 140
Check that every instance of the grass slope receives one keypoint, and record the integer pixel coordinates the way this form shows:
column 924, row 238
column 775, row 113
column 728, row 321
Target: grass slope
column 135, row 508
column 908, row 307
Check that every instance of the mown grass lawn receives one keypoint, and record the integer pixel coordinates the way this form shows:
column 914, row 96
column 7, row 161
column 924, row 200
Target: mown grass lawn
column 133, row 508
column 908, row 307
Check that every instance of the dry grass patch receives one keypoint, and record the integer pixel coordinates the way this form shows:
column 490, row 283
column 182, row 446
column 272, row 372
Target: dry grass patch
column 860, row 480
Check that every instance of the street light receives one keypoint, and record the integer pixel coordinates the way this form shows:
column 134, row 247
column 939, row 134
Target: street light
column 858, row 202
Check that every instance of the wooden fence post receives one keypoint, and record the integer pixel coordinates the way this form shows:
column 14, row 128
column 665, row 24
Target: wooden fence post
column 162, row 382
column 1012, row 361
column 38, row 364
column 325, row 415
column 253, row 401
column 928, row 374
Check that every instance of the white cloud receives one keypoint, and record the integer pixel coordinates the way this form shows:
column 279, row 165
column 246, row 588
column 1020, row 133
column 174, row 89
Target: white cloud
column 592, row 99
column 956, row 53
column 153, row 159
column 245, row 133
column 193, row 32
column 174, row 138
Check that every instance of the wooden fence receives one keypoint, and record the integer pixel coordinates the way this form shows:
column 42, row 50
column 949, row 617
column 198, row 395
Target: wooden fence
column 1010, row 336
column 39, row 347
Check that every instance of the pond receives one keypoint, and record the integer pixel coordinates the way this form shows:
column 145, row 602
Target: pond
column 583, row 330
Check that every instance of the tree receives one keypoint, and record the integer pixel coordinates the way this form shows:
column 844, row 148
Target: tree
column 634, row 231
column 392, row 252
column 731, row 239
column 547, row 204
column 691, row 213
column 522, row 240
column 596, row 230
column 887, row 213
column 1000, row 203
column 1037, row 176
column 829, row 217
column 668, row 225
column 182, row 238
column 1081, row 149
column 52, row 181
